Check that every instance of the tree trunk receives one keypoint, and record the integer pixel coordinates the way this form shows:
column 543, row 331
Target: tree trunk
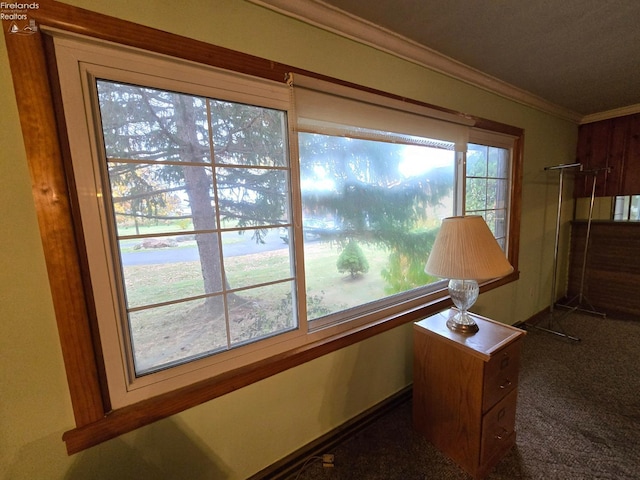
column 199, row 190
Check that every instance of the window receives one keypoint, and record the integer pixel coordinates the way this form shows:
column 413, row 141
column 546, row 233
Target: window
column 487, row 187
column 213, row 247
column 373, row 208
column 626, row 208
column 183, row 188
column 197, row 188
column 117, row 185
column 376, row 180
column 370, row 212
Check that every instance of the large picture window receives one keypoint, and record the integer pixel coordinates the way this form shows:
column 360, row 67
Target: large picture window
column 370, row 213
column 215, row 222
column 217, row 247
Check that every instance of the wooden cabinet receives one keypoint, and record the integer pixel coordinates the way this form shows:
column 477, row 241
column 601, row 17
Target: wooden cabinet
column 465, row 390
column 612, row 144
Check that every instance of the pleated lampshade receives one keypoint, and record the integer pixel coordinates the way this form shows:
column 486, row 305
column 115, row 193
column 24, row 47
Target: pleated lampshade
column 466, row 249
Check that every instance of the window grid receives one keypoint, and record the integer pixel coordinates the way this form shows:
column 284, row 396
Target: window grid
column 487, row 187
column 80, row 353
column 177, row 193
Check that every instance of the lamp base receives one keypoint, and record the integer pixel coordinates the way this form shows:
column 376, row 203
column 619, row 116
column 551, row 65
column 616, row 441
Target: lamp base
column 467, row 328
column 463, row 293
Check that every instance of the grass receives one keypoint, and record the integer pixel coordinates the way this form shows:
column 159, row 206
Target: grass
column 149, row 284
column 181, row 331
column 341, row 290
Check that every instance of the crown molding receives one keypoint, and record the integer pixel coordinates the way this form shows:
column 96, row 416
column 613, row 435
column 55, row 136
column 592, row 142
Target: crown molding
column 327, row 17
column 617, row 112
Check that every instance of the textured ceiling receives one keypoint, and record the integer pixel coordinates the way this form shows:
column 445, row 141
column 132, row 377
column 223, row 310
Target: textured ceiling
column 583, row 55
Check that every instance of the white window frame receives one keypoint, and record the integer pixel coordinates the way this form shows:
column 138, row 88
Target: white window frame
column 79, row 64
column 621, row 210
column 498, row 140
column 55, row 198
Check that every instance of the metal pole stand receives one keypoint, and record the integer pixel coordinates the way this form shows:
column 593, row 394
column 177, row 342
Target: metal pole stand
column 553, row 324
column 577, row 303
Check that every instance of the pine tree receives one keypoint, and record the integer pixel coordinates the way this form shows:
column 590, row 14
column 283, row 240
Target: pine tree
column 352, row 260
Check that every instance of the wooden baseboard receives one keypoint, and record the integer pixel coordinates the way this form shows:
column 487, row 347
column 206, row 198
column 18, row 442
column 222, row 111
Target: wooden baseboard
column 292, row 463
column 533, row 319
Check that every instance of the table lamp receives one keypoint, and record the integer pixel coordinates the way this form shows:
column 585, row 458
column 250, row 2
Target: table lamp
column 465, row 251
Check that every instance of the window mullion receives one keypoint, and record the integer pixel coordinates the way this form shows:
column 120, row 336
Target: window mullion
column 461, row 183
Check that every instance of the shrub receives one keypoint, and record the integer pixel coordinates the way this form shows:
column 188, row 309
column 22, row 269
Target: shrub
column 352, row 260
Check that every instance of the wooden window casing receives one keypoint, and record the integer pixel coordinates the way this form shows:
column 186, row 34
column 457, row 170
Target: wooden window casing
column 32, row 66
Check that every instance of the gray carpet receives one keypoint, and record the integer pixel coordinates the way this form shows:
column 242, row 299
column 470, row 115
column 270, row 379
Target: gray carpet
column 578, row 416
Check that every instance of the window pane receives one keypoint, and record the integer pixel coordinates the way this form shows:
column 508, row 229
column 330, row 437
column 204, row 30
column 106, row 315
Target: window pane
column 162, row 269
column 621, row 207
column 253, row 196
column 476, row 194
column 261, row 312
column 477, row 156
column 371, row 210
column 198, row 241
column 142, row 124
column 498, row 166
column 499, row 227
column 160, row 197
column 487, row 187
column 634, row 212
column 248, row 135
column 173, row 334
column 250, row 260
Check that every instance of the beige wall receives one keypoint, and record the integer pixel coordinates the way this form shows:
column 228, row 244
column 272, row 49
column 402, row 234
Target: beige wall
column 245, row 431
column 602, row 207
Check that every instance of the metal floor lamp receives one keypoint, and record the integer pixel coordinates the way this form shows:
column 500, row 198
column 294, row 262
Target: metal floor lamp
column 552, row 319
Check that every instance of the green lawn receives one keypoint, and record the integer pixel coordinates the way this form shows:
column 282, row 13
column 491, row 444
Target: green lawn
column 149, row 284
column 188, row 329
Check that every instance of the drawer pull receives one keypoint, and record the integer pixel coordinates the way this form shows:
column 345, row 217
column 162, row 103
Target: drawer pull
column 502, row 435
column 505, row 384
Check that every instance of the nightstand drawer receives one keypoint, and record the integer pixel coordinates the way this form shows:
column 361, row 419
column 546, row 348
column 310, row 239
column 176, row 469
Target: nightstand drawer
column 498, row 424
column 501, row 375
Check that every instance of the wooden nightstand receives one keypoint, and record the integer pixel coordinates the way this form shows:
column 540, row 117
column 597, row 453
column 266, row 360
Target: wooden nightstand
column 465, row 389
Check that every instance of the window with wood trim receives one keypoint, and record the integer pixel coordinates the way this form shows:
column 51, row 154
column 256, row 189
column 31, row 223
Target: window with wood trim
column 488, row 170
column 158, row 142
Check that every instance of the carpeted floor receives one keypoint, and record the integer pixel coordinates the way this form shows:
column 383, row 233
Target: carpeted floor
column 578, row 416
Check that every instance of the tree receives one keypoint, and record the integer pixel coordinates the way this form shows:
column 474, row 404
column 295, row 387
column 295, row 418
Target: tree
column 373, row 202
column 352, row 260
column 160, row 146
